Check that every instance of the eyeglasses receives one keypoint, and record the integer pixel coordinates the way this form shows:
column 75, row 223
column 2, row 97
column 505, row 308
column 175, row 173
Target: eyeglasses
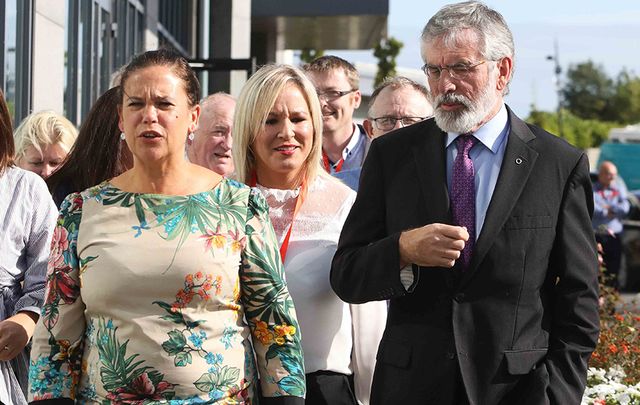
column 388, row 123
column 331, row 95
column 458, row 71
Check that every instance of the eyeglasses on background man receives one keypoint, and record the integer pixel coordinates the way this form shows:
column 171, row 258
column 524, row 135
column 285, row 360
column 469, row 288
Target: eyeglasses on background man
column 388, row 123
column 331, row 95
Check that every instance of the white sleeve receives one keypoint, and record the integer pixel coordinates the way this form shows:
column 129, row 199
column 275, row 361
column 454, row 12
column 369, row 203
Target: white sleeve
column 368, row 322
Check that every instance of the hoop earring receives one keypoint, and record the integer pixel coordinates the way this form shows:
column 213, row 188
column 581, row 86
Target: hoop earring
column 122, row 136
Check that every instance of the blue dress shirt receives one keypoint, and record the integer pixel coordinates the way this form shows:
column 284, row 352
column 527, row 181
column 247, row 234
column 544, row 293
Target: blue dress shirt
column 487, row 158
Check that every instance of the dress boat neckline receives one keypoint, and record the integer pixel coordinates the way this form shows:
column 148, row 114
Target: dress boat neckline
column 107, row 183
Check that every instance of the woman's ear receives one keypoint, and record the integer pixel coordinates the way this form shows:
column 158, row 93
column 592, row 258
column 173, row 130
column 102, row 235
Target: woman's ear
column 195, row 117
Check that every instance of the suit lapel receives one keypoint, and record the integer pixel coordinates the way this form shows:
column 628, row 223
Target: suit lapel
column 431, row 169
column 517, row 164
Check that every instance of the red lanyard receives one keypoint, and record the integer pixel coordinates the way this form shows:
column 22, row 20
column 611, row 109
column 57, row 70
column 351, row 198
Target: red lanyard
column 608, row 193
column 327, row 165
column 299, row 200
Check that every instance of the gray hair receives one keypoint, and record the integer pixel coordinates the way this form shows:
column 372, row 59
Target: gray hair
column 395, row 83
column 219, row 95
column 495, row 37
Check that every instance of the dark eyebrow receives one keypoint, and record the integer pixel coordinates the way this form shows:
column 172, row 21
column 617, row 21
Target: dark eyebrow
column 161, row 97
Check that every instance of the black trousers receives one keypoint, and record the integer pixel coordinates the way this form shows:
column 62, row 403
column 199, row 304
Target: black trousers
column 330, row 388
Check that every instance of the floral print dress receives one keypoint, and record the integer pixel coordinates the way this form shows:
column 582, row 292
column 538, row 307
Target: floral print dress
column 166, row 299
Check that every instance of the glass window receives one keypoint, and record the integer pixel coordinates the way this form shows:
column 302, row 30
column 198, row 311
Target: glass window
column 16, row 18
column 9, row 53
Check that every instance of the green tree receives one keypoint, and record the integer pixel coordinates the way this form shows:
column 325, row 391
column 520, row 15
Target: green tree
column 588, row 92
column 626, row 100
column 386, row 52
column 307, row 55
column 582, row 133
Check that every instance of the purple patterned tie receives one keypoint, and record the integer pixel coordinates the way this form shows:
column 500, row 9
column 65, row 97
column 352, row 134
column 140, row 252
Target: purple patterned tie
column 463, row 195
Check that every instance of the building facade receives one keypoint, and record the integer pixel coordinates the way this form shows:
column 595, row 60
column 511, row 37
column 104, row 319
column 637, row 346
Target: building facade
column 62, row 54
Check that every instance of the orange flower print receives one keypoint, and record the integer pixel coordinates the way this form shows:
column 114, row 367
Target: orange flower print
column 184, row 297
column 262, row 333
column 285, row 330
column 282, row 331
column 196, row 284
column 214, row 239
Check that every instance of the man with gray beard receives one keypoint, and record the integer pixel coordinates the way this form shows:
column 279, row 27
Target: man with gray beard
column 476, row 226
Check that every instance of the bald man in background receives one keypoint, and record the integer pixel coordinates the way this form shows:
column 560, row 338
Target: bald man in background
column 397, row 102
column 611, row 206
column 212, row 142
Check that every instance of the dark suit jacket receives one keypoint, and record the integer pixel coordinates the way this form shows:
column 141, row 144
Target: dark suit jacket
column 520, row 324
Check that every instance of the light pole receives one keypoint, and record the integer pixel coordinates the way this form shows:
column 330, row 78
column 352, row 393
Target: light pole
column 557, row 71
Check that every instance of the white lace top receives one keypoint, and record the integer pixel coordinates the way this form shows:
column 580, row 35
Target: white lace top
column 336, row 336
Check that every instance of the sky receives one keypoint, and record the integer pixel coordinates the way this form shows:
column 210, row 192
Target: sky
column 604, row 31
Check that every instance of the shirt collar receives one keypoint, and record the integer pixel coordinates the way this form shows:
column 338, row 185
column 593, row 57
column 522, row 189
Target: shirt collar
column 489, row 133
column 353, row 142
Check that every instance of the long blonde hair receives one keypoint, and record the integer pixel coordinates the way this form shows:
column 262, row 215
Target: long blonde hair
column 254, row 104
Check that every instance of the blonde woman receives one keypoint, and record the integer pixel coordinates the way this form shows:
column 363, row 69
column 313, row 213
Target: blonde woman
column 278, row 133
column 43, row 141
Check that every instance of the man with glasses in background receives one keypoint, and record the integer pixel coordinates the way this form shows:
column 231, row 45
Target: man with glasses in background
column 210, row 144
column 476, row 226
column 397, row 102
column 344, row 143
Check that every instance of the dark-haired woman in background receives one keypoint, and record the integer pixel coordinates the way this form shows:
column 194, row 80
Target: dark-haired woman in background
column 165, row 282
column 99, row 153
column 27, row 215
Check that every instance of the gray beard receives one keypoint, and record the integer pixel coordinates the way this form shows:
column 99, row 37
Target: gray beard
column 472, row 113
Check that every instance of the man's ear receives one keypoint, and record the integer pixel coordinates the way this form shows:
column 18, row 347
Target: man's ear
column 505, row 69
column 368, row 127
column 357, row 97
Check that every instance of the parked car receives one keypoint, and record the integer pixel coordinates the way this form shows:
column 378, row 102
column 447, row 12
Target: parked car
column 629, row 277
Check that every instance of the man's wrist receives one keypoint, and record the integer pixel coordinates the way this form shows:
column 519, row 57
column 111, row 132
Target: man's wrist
column 402, row 253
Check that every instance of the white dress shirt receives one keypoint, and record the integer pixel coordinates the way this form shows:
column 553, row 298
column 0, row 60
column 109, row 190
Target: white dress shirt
column 336, row 336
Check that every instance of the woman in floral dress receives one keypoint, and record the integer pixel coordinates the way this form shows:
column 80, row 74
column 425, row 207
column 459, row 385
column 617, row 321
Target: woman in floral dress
column 277, row 147
column 165, row 283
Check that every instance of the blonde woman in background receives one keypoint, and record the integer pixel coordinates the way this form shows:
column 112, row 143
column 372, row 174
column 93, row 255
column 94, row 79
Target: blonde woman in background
column 278, row 138
column 43, row 141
